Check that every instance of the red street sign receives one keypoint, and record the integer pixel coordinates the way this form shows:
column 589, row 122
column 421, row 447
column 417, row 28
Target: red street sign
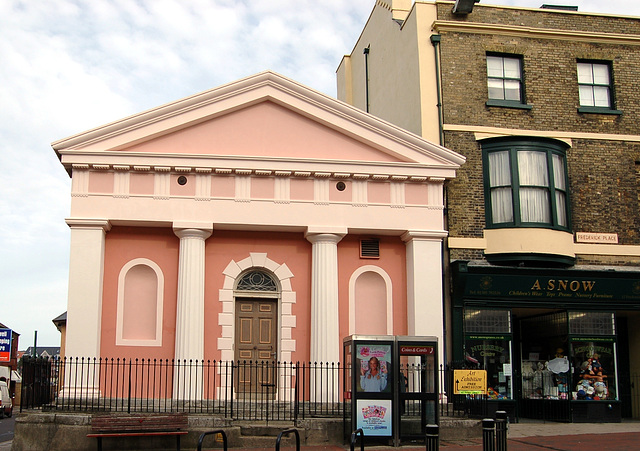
column 417, row 350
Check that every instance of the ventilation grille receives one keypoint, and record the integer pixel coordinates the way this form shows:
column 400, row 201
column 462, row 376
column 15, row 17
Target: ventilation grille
column 370, row 248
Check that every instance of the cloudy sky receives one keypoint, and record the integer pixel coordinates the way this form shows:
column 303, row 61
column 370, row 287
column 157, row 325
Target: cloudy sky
column 67, row 66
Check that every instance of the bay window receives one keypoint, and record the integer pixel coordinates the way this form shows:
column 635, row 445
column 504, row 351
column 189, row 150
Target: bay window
column 526, row 183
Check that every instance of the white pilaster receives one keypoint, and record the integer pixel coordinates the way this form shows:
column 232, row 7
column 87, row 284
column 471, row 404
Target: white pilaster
column 325, row 330
column 325, row 336
column 80, row 180
column 425, row 307
column 190, row 308
column 84, row 304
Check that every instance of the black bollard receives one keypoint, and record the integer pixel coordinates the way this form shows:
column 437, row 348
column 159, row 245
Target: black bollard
column 502, row 427
column 432, row 438
column 488, row 435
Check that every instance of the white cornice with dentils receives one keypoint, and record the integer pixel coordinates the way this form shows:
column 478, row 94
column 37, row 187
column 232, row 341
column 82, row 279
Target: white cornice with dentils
column 230, row 164
column 265, row 86
column 440, row 26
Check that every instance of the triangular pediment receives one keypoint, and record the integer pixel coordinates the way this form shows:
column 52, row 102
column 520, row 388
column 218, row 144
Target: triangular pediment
column 265, row 129
column 262, row 116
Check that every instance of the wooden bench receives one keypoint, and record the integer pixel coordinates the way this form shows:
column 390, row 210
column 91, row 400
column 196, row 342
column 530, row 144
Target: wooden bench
column 127, row 425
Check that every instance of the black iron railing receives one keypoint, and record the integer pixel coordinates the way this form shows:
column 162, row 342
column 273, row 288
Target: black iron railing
column 248, row 390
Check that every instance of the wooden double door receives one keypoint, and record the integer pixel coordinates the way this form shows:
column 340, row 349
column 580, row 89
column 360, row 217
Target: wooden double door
column 256, row 345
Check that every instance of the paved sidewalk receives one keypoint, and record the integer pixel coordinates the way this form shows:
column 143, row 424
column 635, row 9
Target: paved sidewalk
column 531, row 428
column 527, row 435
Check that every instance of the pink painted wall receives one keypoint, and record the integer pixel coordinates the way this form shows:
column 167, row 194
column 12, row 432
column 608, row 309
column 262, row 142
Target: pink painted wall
column 301, row 189
column 379, row 192
column 101, row 182
column 141, row 183
column 416, row 194
column 188, row 189
column 392, row 260
column 370, row 304
column 123, row 244
column 265, row 129
column 141, row 305
column 262, row 187
column 223, row 186
column 340, row 196
column 290, row 248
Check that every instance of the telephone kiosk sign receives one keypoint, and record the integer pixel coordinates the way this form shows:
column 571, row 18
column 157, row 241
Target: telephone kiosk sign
column 469, row 382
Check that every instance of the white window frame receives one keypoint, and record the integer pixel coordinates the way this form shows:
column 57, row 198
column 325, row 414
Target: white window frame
column 595, row 87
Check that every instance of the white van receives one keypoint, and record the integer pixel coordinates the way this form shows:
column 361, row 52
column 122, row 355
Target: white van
column 6, row 403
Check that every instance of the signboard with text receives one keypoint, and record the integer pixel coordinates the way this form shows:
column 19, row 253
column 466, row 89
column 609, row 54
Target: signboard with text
column 556, row 288
column 469, row 382
column 417, row 350
column 5, row 345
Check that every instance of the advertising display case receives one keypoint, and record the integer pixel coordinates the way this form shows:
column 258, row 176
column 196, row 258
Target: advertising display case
column 390, row 387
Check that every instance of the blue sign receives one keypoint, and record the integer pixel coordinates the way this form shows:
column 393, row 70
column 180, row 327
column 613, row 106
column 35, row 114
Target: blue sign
column 5, row 345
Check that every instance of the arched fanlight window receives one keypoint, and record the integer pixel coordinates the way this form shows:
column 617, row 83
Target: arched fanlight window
column 256, row 281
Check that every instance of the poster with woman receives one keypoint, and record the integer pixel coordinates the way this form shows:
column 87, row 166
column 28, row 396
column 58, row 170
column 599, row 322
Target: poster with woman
column 374, row 363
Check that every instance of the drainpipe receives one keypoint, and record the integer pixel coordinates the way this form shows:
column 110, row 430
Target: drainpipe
column 435, row 41
column 446, row 286
column 366, row 76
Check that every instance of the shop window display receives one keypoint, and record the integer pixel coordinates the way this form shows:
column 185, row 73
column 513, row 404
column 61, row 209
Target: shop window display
column 546, row 379
column 488, row 347
column 594, row 369
column 594, row 355
column 493, row 354
column 545, row 365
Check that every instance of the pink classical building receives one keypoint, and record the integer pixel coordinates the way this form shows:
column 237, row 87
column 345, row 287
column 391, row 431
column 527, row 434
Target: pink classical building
column 257, row 220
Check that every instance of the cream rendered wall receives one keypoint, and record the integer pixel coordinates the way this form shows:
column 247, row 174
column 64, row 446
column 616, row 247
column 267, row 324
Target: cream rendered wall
column 86, row 265
column 426, row 15
column 402, row 74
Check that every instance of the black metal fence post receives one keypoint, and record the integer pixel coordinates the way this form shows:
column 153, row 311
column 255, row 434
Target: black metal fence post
column 432, row 437
column 488, row 435
column 502, row 427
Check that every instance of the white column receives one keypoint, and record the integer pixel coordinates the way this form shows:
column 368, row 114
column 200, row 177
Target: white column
column 325, row 331
column 425, row 303
column 190, row 311
column 84, row 304
column 325, row 335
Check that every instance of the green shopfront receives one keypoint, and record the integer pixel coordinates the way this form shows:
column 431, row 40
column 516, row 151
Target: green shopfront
column 557, row 344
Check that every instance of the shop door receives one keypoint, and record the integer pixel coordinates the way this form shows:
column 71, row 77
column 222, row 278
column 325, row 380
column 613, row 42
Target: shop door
column 256, row 348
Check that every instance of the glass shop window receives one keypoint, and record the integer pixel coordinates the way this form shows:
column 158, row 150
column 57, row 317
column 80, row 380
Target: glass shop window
column 545, row 365
column 594, row 356
column 488, row 347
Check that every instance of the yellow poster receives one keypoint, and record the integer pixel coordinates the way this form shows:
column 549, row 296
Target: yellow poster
column 469, row 382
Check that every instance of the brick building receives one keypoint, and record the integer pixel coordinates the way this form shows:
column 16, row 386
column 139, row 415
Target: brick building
column 542, row 288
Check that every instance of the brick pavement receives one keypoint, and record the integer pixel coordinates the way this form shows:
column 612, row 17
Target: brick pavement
column 524, row 436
